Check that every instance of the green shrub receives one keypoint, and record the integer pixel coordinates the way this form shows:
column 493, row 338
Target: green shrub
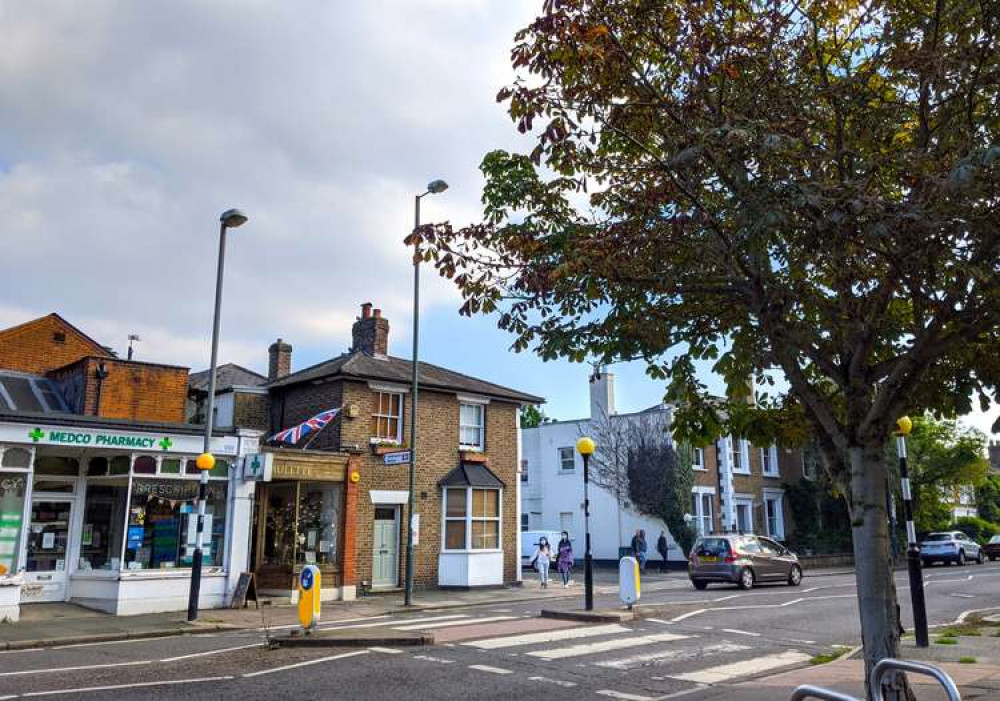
column 980, row 530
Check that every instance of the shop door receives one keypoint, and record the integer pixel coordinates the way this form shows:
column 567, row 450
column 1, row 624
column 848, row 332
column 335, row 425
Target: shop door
column 48, row 549
column 385, row 562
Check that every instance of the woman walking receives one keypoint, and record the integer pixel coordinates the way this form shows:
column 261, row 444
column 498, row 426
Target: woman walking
column 542, row 559
column 564, row 560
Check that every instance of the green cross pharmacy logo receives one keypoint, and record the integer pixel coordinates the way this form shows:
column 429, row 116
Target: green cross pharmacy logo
column 36, row 435
column 166, row 443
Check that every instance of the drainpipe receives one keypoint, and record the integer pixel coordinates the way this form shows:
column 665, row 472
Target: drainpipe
column 102, row 373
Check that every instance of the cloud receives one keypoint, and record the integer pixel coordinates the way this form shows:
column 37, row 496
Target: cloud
column 129, row 128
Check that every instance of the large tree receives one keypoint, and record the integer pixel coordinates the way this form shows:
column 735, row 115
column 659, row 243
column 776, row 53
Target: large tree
column 810, row 186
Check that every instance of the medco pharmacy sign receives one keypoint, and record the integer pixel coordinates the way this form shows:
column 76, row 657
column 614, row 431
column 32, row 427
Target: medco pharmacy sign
column 89, row 438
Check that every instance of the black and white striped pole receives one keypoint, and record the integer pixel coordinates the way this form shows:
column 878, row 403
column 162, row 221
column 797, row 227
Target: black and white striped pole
column 903, row 428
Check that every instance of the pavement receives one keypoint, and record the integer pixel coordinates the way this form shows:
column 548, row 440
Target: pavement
column 721, row 643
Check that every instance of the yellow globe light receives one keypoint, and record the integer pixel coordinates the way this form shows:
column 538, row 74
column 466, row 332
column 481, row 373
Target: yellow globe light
column 205, row 461
column 586, row 446
column 903, row 426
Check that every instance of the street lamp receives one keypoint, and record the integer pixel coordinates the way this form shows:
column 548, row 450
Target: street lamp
column 434, row 187
column 903, row 428
column 230, row 219
column 586, row 447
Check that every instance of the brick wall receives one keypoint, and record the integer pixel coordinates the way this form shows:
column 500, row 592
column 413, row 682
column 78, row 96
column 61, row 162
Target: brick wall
column 438, row 454
column 251, row 411
column 131, row 390
column 43, row 345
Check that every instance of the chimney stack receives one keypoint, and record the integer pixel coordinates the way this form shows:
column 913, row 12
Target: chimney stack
column 602, row 395
column 279, row 360
column 371, row 332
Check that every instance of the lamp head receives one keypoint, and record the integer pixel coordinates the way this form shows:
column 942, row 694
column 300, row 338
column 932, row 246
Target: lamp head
column 205, row 461
column 233, row 218
column 903, row 426
column 586, row 446
column 436, row 186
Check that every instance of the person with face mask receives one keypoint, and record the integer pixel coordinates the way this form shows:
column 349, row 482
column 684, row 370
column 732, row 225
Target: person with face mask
column 542, row 559
column 564, row 558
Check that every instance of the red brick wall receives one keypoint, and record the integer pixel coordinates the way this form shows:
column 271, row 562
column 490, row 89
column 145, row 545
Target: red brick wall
column 131, row 390
column 32, row 347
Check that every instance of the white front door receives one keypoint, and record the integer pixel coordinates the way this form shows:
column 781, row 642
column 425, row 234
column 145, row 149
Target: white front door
column 385, row 558
column 48, row 548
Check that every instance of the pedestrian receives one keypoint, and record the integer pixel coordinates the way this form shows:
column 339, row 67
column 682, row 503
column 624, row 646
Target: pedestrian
column 542, row 559
column 564, row 560
column 661, row 547
column 639, row 548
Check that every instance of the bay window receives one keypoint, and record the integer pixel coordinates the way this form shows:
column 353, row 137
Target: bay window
column 472, row 519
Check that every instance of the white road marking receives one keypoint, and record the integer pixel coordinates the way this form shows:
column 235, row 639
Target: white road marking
column 670, row 655
column 741, row 632
column 561, row 653
column 74, row 669
column 115, row 687
column 660, row 620
column 492, row 670
column 428, row 658
column 548, row 636
column 400, row 621
column 805, row 642
column 963, row 596
column 210, row 652
column 727, row 598
column 448, row 624
column 305, row 664
column 386, row 650
column 623, row 696
column 557, row 682
column 716, row 675
column 689, row 614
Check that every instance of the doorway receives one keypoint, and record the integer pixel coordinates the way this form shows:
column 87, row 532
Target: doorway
column 385, row 555
column 48, row 547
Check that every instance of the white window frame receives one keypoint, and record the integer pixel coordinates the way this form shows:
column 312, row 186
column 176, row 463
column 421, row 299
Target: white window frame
column 738, row 447
column 480, row 428
column 745, row 500
column 469, row 519
column 769, row 459
column 702, row 519
column 562, row 459
column 377, row 393
column 698, row 459
column 524, row 469
column 775, row 496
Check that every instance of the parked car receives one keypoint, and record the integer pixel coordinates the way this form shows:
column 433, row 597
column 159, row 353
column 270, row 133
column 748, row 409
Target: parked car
column 743, row 560
column 949, row 546
column 992, row 548
column 529, row 539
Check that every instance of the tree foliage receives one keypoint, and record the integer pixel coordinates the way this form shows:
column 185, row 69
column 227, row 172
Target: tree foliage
column 807, row 186
column 988, row 499
column 532, row 416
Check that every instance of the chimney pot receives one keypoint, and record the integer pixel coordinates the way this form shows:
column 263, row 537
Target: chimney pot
column 371, row 332
column 377, row 313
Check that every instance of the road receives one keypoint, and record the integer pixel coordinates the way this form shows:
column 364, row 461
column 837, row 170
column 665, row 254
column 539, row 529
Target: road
column 706, row 641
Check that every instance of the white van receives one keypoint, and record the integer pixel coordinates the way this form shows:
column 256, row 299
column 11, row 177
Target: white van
column 529, row 541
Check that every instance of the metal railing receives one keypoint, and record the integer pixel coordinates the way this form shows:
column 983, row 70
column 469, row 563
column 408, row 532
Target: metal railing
column 890, row 664
column 808, row 691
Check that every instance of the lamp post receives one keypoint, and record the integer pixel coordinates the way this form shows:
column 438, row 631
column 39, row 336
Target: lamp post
column 903, row 428
column 586, row 447
column 434, row 187
column 230, row 219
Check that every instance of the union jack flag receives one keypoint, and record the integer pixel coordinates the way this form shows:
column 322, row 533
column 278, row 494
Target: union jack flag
column 294, row 434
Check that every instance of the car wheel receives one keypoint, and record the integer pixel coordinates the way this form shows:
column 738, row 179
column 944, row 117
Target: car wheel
column 979, row 557
column 795, row 576
column 993, row 558
column 699, row 584
column 961, row 558
column 746, row 578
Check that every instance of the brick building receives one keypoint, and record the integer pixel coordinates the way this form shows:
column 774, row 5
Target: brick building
column 98, row 481
column 334, row 500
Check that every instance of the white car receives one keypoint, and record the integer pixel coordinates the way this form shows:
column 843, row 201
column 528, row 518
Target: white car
column 949, row 546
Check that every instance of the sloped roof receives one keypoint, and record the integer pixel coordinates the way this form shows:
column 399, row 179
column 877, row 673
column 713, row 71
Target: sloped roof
column 362, row 366
column 471, row 475
column 227, row 376
column 21, row 328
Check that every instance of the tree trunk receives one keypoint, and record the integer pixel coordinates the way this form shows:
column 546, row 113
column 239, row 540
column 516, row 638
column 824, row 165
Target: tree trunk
column 877, row 603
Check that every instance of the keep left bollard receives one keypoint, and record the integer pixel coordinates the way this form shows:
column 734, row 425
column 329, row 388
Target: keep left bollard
column 628, row 581
column 309, row 590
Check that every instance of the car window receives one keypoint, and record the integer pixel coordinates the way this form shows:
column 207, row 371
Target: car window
column 938, row 536
column 995, row 540
column 749, row 546
column 717, row 547
column 770, row 547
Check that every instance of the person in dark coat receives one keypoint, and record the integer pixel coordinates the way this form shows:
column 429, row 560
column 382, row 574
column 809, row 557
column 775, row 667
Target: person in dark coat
column 564, row 558
column 639, row 548
column 661, row 547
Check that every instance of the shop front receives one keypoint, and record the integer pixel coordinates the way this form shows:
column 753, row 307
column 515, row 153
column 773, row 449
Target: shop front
column 105, row 516
column 305, row 516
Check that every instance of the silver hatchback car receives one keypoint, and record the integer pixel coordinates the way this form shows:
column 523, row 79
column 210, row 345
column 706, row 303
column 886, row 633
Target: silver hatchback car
column 949, row 546
column 742, row 560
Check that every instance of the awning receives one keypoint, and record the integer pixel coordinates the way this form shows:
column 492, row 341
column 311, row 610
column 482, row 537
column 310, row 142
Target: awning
column 471, row 475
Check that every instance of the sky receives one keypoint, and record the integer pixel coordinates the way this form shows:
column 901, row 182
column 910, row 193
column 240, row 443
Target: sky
column 129, row 127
